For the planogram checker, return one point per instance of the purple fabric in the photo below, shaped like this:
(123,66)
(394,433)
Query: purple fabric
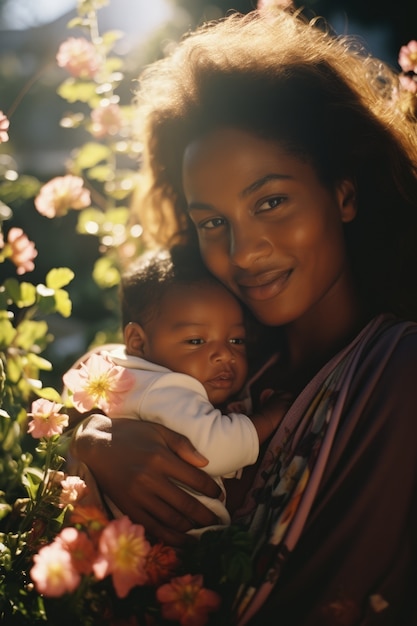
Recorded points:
(350,550)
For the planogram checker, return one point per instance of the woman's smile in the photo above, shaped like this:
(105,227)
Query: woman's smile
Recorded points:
(263,286)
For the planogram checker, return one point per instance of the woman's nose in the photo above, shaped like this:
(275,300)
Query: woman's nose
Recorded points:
(247,246)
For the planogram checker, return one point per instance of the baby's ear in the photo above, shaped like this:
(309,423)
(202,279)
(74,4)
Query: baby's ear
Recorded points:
(135,339)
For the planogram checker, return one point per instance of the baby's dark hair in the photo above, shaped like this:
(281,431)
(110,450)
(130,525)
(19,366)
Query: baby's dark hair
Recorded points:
(144,285)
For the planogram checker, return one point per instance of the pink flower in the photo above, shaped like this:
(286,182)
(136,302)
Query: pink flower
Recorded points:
(98,383)
(408,83)
(122,553)
(161,563)
(185,600)
(79,57)
(107,120)
(22,251)
(61,194)
(407,58)
(80,548)
(53,572)
(73,487)
(47,420)
(4,127)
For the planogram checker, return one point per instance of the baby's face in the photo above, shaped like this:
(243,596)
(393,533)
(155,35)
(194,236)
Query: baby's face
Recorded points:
(200,331)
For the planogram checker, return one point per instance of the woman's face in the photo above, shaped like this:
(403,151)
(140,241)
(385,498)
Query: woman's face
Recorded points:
(267,227)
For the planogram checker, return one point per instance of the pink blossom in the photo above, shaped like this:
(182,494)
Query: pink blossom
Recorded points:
(61,194)
(22,251)
(47,420)
(408,83)
(98,383)
(185,600)
(79,57)
(106,120)
(53,572)
(4,127)
(80,548)
(73,487)
(407,58)
(122,553)
(161,563)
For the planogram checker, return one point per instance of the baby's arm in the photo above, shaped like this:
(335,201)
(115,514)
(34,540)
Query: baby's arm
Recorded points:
(229,442)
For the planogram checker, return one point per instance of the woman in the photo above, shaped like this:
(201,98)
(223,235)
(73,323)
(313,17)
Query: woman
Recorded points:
(283,151)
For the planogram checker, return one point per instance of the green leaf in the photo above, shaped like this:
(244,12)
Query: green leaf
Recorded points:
(30,332)
(7,333)
(119,215)
(91,154)
(90,221)
(75,22)
(102,173)
(49,393)
(24,188)
(85,7)
(22,294)
(111,36)
(113,64)
(63,303)
(13,369)
(72,90)
(59,277)
(39,362)
(105,273)
(31,479)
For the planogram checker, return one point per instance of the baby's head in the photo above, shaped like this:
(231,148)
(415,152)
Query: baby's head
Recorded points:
(175,314)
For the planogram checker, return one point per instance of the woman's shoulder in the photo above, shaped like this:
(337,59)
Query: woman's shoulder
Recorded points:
(393,348)
(384,386)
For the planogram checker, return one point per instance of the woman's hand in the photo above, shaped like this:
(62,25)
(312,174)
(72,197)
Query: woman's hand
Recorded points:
(135,462)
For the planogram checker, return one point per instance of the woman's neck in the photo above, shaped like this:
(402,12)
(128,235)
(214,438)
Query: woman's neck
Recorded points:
(317,337)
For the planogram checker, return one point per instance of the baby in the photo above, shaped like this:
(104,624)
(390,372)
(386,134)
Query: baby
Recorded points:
(185,340)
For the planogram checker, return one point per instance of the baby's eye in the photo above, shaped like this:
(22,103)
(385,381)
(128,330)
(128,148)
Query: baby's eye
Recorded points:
(195,341)
(214,222)
(238,341)
(271,203)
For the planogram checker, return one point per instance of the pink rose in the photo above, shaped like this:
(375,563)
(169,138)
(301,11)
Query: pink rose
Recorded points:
(61,194)
(53,572)
(47,420)
(4,127)
(123,550)
(186,601)
(21,250)
(79,57)
(106,120)
(407,58)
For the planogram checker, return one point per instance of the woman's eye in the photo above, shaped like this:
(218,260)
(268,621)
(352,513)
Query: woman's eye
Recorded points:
(271,203)
(214,222)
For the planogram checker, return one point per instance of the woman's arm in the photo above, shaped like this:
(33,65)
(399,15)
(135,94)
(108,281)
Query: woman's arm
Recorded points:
(135,463)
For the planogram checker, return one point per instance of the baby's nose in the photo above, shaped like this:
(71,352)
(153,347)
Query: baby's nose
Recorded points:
(223,352)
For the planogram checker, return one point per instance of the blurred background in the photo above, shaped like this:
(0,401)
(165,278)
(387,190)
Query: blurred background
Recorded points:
(31,32)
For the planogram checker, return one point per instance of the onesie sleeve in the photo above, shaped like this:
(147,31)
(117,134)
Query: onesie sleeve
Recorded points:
(180,403)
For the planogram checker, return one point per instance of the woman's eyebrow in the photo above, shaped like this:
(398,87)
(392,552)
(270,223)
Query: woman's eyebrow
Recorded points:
(257,184)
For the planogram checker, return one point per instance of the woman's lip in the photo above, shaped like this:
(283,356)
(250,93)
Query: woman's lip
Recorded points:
(265,286)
